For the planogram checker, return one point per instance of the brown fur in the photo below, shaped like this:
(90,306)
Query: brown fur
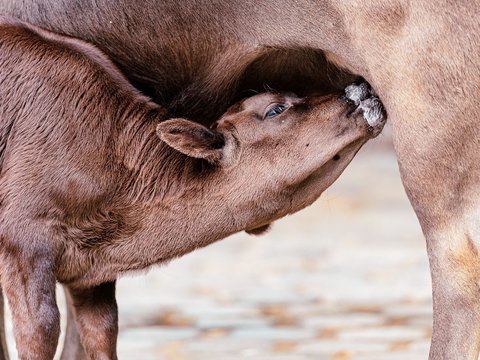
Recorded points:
(95,181)
(422,57)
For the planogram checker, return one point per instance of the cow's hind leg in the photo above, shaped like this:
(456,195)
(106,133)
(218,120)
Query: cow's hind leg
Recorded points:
(436,135)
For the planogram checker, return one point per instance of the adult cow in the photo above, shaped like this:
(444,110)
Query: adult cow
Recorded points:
(422,57)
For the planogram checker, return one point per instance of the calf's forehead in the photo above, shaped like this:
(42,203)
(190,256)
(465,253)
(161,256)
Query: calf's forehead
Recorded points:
(261,100)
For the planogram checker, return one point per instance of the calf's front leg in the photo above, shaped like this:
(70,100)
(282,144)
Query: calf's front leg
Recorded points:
(96,316)
(3,340)
(72,347)
(29,285)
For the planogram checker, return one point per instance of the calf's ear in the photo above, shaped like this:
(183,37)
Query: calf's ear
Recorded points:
(192,139)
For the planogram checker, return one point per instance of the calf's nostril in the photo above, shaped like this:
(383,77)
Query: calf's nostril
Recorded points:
(336,157)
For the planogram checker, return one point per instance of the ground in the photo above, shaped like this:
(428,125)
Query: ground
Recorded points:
(346,279)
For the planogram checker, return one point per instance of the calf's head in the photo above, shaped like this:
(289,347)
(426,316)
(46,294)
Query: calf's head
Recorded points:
(276,152)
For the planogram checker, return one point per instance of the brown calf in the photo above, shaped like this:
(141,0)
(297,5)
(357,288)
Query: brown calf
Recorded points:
(422,57)
(95,181)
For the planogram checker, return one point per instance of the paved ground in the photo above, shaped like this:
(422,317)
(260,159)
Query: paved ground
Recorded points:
(345,279)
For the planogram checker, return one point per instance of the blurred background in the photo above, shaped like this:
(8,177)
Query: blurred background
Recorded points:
(346,278)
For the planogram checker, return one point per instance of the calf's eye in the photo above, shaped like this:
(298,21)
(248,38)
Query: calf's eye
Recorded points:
(276,110)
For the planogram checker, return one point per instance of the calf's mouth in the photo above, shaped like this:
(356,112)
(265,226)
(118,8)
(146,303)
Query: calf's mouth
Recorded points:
(366,104)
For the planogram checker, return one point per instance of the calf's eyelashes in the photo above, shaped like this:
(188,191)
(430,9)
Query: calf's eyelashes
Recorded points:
(274,110)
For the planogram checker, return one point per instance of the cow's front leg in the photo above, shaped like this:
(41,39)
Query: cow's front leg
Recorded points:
(29,285)
(96,317)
